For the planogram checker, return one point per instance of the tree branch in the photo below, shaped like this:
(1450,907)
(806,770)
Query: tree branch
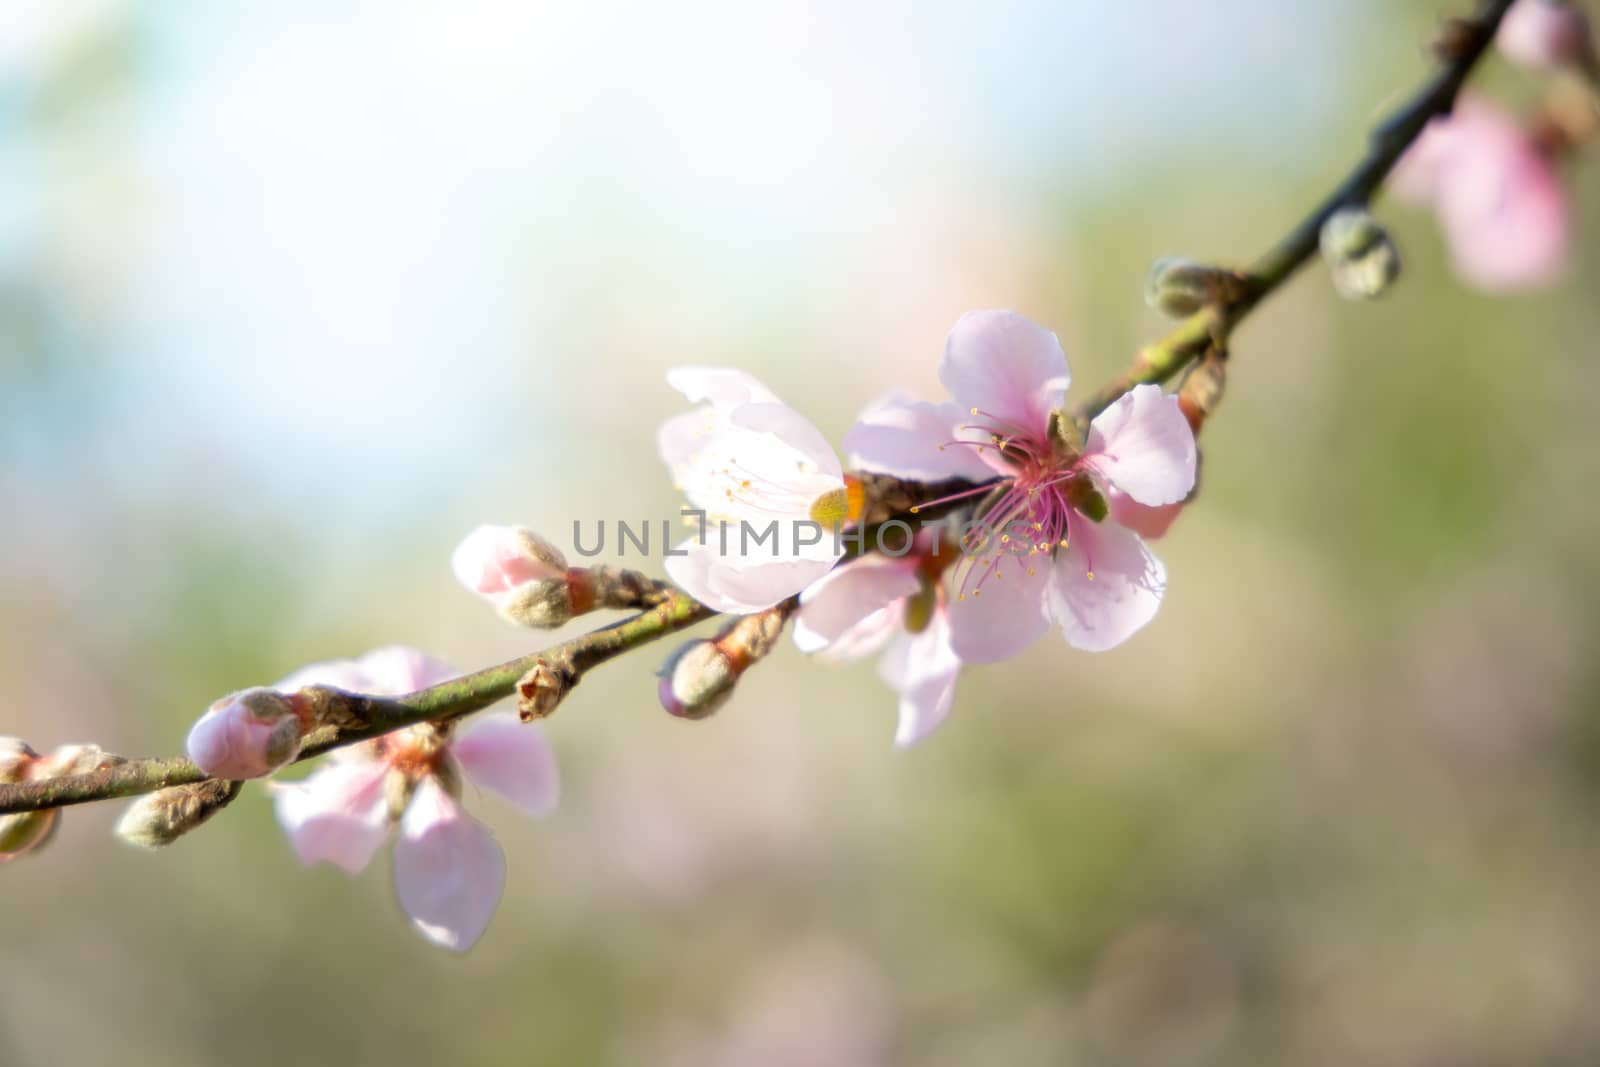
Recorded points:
(358,717)
(365,717)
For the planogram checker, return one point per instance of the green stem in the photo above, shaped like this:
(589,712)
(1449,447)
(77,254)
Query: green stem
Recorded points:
(1159,361)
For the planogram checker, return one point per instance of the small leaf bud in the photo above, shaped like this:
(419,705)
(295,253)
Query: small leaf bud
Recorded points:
(158,819)
(1179,287)
(1360,255)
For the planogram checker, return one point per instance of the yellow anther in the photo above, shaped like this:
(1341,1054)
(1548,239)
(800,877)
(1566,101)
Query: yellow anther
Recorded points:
(831,508)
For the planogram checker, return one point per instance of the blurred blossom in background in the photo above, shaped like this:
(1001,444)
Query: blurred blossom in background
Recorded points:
(294,295)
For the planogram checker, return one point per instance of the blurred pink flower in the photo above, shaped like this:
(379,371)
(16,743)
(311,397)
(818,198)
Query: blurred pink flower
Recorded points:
(899,602)
(449,871)
(1542,35)
(1504,211)
(750,462)
(1097,581)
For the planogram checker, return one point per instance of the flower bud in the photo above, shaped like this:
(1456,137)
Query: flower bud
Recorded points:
(1360,255)
(71,759)
(541,605)
(1545,34)
(700,676)
(249,734)
(25,831)
(1177,287)
(697,680)
(524,576)
(160,818)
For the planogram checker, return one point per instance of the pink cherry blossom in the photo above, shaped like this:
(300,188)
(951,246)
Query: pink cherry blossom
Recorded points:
(751,464)
(1040,557)
(899,603)
(1545,34)
(1505,213)
(449,871)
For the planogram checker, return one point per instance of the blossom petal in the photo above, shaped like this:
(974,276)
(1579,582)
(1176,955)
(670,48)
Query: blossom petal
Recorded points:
(833,607)
(1004,615)
(922,668)
(722,387)
(338,815)
(393,670)
(794,430)
(913,439)
(1149,523)
(1105,586)
(742,586)
(449,871)
(1008,367)
(1144,446)
(500,752)
(396,670)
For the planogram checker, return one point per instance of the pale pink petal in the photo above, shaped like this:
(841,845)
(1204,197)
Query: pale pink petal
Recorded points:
(749,584)
(396,670)
(922,668)
(501,752)
(1541,35)
(748,470)
(1105,586)
(794,430)
(913,439)
(680,437)
(449,871)
(338,815)
(1415,178)
(999,618)
(831,608)
(1011,369)
(722,387)
(1149,523)
(1144,446)
(343,674)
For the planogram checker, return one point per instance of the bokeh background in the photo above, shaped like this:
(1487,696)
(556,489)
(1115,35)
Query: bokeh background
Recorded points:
(294,294)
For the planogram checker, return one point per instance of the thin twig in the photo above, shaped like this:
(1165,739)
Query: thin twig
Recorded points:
(1159,361)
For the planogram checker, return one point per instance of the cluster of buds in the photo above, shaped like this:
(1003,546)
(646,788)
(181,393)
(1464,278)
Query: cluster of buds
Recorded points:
(26,831)
(700,676)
